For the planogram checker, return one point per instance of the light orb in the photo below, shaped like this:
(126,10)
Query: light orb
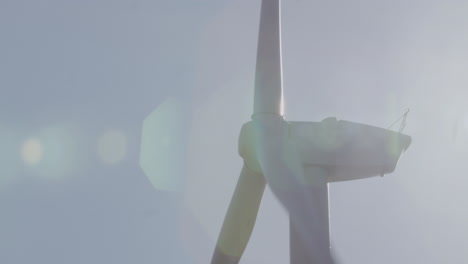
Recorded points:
(112,147)
(31,151)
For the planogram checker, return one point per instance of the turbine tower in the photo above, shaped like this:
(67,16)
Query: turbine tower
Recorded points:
(297,160)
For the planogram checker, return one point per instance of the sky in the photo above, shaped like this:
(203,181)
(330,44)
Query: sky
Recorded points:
(119,123)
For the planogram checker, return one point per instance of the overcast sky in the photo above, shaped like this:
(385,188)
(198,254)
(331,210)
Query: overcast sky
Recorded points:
(78,79)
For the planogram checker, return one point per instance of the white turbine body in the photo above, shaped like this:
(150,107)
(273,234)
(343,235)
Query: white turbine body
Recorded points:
(297,160)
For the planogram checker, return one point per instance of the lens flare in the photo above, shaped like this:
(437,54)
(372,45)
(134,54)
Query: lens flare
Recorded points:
(112,147)
(213,161)
(31,151)
(162,153)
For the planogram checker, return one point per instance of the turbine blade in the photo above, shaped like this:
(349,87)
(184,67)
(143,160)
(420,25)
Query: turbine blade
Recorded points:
(240,218)
(268,96)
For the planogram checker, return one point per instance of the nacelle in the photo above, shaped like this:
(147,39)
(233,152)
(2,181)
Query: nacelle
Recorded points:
(346,149)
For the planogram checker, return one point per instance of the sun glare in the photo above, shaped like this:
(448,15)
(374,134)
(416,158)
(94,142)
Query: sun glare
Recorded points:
(31,151)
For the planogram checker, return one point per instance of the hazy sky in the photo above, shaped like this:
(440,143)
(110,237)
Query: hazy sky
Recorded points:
(78,79)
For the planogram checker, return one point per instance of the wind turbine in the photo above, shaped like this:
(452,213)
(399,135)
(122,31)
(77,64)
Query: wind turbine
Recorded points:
(297,160)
